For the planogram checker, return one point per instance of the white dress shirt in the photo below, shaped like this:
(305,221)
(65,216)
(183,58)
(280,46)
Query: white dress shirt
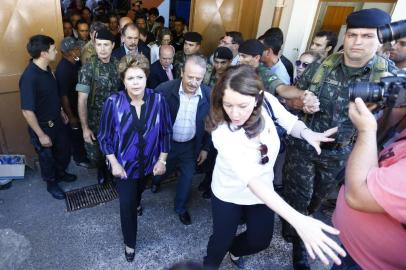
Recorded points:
(184,128)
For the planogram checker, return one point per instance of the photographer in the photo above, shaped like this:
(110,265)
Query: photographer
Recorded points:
(371,206)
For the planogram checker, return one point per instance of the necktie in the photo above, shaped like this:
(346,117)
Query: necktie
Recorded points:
(169,73)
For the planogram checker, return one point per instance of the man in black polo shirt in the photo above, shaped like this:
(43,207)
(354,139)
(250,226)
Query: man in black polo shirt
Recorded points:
(41,107)
(67,77)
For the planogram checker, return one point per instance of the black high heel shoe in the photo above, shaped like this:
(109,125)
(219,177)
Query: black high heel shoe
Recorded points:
(129,256)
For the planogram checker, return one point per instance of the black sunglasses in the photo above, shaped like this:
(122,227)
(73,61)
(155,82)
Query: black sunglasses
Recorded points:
(299,63)
(263,149)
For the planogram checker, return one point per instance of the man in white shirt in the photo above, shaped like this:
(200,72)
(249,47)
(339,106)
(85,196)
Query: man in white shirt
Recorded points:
(189,103)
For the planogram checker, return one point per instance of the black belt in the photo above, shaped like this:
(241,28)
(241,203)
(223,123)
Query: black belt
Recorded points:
(334,146)
(186,141)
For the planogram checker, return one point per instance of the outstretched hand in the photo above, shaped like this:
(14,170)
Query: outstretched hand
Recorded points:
(315,138)
(317,243)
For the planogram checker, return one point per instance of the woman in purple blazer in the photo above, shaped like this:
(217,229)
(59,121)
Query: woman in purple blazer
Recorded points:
(134,134)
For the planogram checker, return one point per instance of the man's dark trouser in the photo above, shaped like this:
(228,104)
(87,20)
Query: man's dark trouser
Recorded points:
(55,159)
(182,156)
(309,178)
(77,144)
(208,168)
(130,192)
(226,217)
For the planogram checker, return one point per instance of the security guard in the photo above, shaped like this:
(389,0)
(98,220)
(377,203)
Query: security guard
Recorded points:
(191,46)
(309,177)
(98,79)
(221,61)
(41,108)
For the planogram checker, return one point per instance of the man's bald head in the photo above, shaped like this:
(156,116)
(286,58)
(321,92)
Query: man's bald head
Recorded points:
(166,54)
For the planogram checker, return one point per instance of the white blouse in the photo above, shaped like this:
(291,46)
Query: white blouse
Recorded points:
(238,159)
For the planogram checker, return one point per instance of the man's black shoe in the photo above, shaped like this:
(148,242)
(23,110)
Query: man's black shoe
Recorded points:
(6,186)
(55,190)
(299,256)
(185,218)
(207,194)
(67,177)
(155,188)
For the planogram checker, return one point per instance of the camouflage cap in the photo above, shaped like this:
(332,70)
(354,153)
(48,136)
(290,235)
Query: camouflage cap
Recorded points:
(68,43)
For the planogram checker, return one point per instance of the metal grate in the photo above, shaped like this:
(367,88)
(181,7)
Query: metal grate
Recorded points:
(90,196)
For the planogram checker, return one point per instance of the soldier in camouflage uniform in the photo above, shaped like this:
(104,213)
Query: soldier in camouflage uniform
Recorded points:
(310,177)
(221,61)
(98,79)
(88,49)
(191,46)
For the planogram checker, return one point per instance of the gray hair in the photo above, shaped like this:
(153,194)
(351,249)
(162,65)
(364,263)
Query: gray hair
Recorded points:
(197,59)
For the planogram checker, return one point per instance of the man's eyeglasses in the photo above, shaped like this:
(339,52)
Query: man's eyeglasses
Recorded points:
(263,149)
(299,63)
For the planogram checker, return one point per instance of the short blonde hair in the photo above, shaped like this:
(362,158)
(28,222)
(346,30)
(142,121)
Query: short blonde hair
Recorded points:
(137,60)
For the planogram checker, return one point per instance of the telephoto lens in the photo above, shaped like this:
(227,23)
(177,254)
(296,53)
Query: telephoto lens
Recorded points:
(367,91)
(392,31)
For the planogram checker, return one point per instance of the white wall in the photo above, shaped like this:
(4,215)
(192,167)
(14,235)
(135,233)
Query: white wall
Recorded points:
(299,28)
(266,16)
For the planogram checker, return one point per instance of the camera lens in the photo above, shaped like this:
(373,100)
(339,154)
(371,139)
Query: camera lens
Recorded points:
(392,31)
(367,91)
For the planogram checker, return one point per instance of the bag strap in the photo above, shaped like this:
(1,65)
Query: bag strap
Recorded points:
(269,110)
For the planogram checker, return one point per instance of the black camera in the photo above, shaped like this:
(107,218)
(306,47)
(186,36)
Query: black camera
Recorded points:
(391,90)
(392,31)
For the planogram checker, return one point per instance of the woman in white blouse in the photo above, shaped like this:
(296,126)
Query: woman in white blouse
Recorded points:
(247,142)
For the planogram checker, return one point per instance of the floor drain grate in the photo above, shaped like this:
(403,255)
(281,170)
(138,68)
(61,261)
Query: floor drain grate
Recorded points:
(90,196)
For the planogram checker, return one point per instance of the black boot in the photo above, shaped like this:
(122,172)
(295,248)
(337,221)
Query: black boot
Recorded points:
(299,255)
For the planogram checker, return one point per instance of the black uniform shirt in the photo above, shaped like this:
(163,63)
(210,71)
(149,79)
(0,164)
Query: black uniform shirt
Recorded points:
(39,93)
(67,77)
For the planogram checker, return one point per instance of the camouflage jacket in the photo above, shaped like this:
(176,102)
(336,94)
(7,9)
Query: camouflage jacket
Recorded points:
(87,52)
(210,76)
(331,87)
(99,80)
(267,78)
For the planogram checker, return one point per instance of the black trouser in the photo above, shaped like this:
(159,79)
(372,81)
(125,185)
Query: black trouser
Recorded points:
(130,192)
(226,217)
(77,144)
(55,159)
(208,167)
